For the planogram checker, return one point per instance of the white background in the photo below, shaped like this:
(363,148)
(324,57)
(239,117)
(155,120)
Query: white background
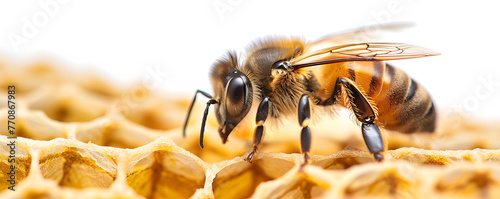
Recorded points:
(123,40)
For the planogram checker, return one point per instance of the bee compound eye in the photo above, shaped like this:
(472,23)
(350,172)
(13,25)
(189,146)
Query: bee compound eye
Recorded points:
(235,96)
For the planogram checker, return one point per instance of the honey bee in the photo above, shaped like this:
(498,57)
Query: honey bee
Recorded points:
(288,77)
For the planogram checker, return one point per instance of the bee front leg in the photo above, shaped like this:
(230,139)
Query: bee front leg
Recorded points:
(304,114)
(261,117)
(365,114)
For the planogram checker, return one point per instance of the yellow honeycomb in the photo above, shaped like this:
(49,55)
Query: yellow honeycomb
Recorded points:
(81,136)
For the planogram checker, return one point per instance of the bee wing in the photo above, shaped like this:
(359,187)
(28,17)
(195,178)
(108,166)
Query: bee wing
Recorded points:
(361,52)
(361,34)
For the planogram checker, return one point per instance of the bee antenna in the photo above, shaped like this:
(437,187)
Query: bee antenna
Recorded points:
(191,108)
(204,120)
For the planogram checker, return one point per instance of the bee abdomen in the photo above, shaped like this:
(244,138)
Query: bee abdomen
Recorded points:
(403,104)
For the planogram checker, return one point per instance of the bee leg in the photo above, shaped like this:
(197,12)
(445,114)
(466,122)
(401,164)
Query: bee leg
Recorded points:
(261,117)
(204,120)
(304,114)
(191,108)
(365,114)
(373,140)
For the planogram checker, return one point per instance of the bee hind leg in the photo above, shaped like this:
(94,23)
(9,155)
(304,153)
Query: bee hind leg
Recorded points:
(304,114)
(365,114)
(261,117)
(373,140)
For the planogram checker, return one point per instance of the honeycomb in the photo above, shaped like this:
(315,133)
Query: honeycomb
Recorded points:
(81,136)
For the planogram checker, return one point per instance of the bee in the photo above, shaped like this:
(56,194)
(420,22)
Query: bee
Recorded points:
(288,77)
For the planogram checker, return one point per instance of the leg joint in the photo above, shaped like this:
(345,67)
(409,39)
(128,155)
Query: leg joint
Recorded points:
(304,111)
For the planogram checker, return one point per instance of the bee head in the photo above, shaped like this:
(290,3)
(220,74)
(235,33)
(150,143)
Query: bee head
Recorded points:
(234,93)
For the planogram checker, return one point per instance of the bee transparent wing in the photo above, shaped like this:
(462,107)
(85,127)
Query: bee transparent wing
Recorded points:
(361,34)
(361,52)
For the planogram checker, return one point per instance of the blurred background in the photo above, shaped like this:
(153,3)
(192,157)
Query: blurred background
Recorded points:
(175,42)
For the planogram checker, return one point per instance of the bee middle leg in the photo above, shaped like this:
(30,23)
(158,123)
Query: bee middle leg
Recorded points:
(261,117)
(365,114)
(304,114)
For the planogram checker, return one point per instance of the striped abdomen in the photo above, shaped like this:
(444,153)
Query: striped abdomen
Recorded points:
(403,105)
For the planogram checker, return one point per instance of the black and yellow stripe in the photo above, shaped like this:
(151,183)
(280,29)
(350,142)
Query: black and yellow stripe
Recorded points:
(410,109)
(403,105)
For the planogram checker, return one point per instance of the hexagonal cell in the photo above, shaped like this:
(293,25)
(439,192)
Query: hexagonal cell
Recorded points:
(68,103)
(240,179)
(98,132)
(471,181)
(214,150)
(304,189)
(94,83)
(164,174)
(430,159)
(116,131)
(13,155)
(375,180)
(302,181)
(139,106)
(29,78)
(37,126)
(343,159)
(341,163)
(78,167)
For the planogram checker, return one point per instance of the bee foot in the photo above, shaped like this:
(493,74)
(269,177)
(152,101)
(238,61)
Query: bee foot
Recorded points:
(249,157)
(378,157)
